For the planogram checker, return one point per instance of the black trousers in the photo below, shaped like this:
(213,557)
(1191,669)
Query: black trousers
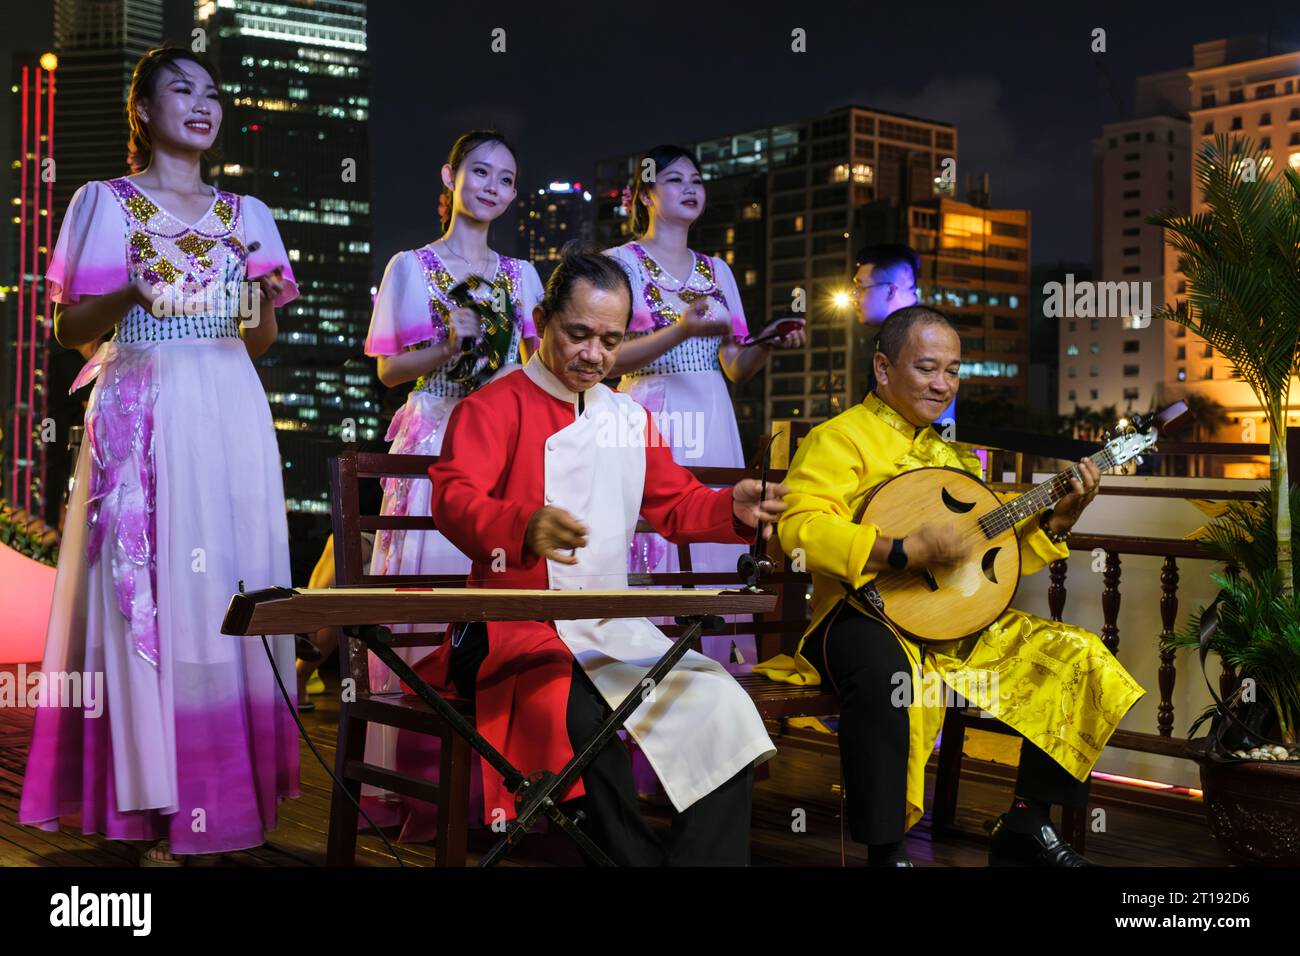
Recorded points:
(713,831)
(859,657)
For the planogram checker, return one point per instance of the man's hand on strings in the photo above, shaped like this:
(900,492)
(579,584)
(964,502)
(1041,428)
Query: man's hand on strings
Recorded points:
(553,531)
(746,506)
(1066,511)
(935,546)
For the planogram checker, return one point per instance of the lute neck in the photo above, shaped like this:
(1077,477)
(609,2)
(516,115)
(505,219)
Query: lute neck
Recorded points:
(1038,498)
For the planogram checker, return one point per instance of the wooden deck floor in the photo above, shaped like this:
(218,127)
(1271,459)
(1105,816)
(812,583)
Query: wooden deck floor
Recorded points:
(805,776)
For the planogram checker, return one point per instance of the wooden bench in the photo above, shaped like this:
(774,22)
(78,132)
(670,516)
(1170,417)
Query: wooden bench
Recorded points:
(775,702)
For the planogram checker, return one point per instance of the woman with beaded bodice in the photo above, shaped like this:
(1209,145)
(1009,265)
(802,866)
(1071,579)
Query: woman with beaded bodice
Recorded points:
(685,341)
(177,497)
(418,332)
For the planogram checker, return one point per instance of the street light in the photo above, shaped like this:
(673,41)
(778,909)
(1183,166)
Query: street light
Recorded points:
(841,301)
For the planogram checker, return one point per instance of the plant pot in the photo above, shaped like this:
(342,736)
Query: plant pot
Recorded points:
(1253,807)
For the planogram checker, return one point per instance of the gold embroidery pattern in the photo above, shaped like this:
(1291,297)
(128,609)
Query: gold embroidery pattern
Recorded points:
(223,211)
(140,206)
(165,271)
(196,248)
(142,246)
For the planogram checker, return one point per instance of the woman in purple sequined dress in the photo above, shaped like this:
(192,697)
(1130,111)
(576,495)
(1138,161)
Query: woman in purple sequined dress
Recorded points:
(416,334)
(177,498)
(683,345)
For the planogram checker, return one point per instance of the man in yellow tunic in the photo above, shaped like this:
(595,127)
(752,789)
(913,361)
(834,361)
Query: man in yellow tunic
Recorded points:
(1055,684)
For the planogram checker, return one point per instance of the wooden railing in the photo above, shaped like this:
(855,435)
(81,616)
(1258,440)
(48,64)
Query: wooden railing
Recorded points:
(779,632)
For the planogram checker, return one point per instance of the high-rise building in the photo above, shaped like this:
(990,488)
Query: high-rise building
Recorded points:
(1244,86)
(550,217)
(1113,353)
(1045,337)
(783,211)
(295,134)
(83,81)
(974,266)
(1144,165)
(98,43)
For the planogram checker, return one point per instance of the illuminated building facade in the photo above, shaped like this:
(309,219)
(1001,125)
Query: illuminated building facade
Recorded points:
(550,217)
(295,135)
(784,211)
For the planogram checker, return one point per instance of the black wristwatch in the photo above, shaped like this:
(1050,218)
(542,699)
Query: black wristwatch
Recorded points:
(897,556)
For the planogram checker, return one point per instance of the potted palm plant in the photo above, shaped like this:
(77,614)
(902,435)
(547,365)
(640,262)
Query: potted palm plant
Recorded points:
(1241,258)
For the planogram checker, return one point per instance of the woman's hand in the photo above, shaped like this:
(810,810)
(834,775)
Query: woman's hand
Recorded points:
(142,293)
(697,321)
(792,339)
(463,323)
(270,285)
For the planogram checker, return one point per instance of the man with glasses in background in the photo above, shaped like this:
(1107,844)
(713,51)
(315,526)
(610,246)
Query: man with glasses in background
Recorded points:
(885,282)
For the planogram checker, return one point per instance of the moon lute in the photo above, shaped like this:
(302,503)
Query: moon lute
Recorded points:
(947,604)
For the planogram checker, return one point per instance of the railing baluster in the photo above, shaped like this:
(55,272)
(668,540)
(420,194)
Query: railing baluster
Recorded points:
(1056,590)
(1110,602)
(1167,674)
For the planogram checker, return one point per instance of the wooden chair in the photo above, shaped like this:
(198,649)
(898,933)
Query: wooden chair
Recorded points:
(393,709)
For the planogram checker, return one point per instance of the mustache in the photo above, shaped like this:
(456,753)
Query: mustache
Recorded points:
(583,367)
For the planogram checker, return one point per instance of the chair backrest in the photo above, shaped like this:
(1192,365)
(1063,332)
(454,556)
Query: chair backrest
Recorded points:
(775,633)
(347,471)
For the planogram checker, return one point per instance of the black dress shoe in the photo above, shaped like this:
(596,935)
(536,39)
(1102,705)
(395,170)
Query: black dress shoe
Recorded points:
(898,858)
(1042,846)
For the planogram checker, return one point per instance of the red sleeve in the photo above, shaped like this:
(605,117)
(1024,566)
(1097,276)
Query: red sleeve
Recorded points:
(468,504)
(679,507)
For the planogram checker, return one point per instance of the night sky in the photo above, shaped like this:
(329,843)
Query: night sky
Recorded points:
(583,81)
(592,80)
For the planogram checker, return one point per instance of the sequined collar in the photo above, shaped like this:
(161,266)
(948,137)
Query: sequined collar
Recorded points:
(700,267)
(151,217)
(891,418)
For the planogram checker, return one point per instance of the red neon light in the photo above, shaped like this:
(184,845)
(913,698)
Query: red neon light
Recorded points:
(47,326)
(36,262)
(1148,784)
(22,272)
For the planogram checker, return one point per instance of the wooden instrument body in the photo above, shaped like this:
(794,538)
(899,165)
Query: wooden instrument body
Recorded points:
(303,610)
(949,603)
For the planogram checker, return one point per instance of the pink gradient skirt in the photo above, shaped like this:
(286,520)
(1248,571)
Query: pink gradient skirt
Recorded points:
(194,743)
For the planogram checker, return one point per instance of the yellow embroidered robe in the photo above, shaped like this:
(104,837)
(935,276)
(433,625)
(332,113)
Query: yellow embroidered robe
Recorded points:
(1056,684)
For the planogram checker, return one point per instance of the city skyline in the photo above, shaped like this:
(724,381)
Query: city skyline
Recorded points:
(1027,111)
(1033,138)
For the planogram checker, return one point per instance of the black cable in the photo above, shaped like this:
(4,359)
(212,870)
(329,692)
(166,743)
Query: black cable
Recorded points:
(338,784)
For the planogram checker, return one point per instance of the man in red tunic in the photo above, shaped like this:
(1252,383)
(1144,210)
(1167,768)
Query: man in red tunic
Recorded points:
(542,476)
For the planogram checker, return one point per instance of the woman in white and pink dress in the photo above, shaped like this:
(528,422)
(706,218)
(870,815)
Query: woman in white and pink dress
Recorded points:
(683,345)
(416,332)
(177,498)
